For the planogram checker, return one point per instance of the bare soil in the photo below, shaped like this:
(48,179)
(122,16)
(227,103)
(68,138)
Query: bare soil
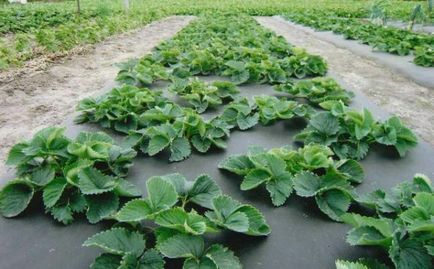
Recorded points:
(388,89)
(35,98)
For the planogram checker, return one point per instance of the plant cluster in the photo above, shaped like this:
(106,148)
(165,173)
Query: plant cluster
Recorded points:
(350,133)
(202,95)
(83,175)
(174,205)
(310,171)
(316,90)
(121,108)
(235,47)
(387,39)
(178,133)
(424,56)
(402,224)
(244,114)
(44,28)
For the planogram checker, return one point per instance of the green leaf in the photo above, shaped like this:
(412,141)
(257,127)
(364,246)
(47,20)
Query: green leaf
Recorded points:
(246,121)
(257,224)
(280,189)
(129,261)
(43,175)
(182,246)
(92,181)
(101,206)
(161,194)
(367,236)
(232,215)
(325,123)
(350,265)
(134,210)
(422,183)
(157,144)
(106,261)
(180,149)
(119,241)
(179,182)
(203,263)
(238,164)
(53,191)
(254,178)
(125,188)
(16,155)
(177,219)
(409,254)
(223,257)
(383,225)
(306,184)
(203,191)
(333,203)
(151,259)
(237,221)
(425,201)
(62,213)
(77,202)
(15,197)
(353,169)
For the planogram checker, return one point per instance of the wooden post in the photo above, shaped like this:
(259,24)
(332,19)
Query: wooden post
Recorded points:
(127,4)
(78,7)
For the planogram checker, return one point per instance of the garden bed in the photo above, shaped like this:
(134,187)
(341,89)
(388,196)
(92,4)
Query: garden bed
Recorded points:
(311,191)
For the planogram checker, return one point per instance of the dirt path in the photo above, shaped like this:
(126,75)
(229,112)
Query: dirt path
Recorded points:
(396,94)
(44,98)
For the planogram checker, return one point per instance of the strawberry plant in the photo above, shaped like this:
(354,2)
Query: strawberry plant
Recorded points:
(272,109)
(316,90)
(350,133)
(310,171)
(240,113)
(119,109)
(301,64)
(179,135)
(173,203)
(403,225)
(424,56)
(84,175)
(141,72)
(201,94)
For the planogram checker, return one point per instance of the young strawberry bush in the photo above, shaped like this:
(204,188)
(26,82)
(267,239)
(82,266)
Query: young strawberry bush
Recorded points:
(174,204)
(350,133)
(83,175)
(240,113)
(316,90)
(271,109)
(424,56)
(201,94)
(141,72)
(178,135)
(120,109)
(310,171)
(402,224)
(244,114)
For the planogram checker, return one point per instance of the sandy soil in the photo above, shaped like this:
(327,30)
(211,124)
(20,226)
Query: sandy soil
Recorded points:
(395,93)
(42,98)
